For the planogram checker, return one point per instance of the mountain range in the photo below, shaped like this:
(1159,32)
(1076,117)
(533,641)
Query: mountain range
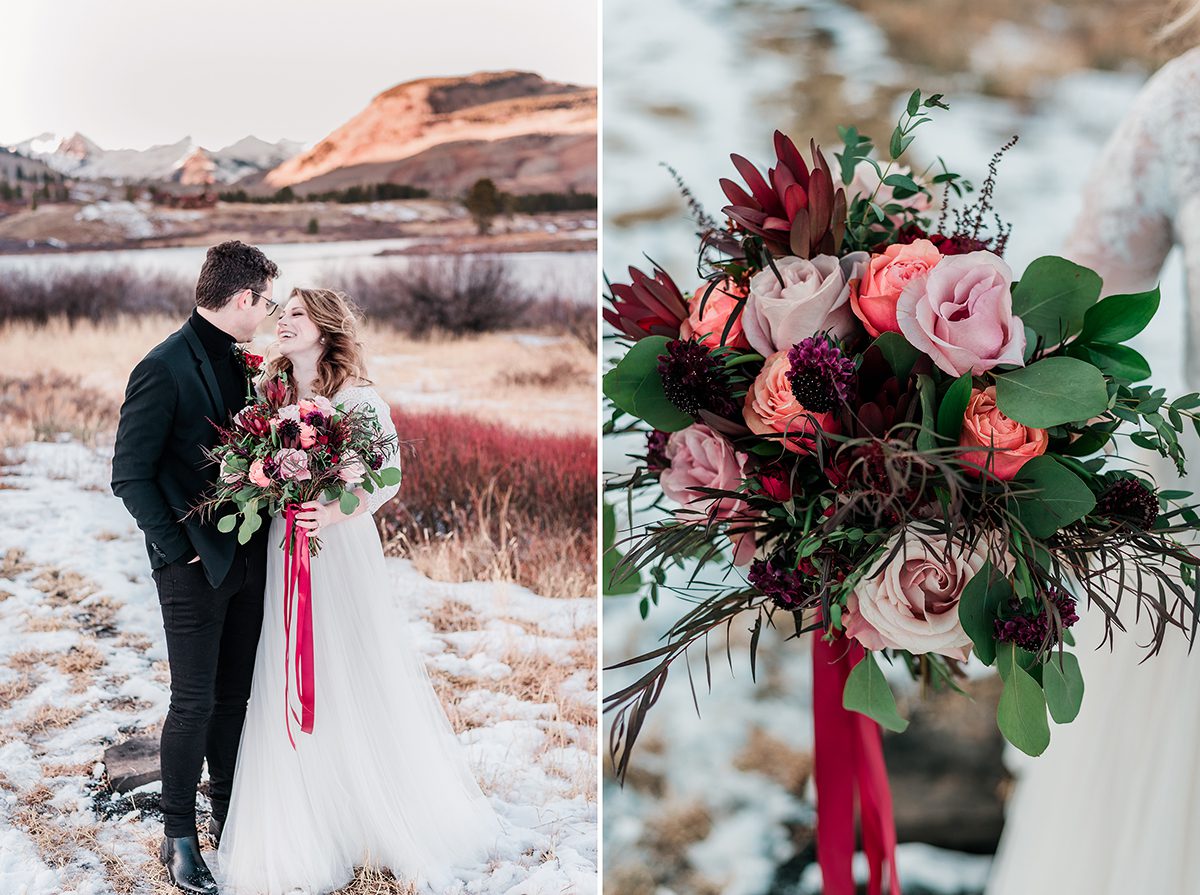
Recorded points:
(526,133)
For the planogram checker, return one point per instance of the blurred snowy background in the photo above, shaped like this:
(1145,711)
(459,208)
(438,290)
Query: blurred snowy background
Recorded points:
(722,804)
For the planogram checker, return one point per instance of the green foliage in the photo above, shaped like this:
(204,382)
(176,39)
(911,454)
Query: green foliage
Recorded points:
(900,355)
(1063,685)
(1051,392)
(953,406)
(313,226)
(868,693)
(1119,318)
(635,386)
(1021,714)
(979,607)
(1053,296)
(630,580)
(484,202)
(348,502)
(1060,497)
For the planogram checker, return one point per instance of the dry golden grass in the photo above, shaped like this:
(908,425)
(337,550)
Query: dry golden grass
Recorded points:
(85,659)
(790,767)
(27,660)
(46,718)
(63,586)
(373,881)
(43,623)
(16,689)
(13,563)
(43,404)
(459,374)
(79,769)
(56,842)
(136,642)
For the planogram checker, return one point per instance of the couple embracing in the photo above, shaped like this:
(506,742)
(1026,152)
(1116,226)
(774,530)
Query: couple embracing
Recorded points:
(381,779)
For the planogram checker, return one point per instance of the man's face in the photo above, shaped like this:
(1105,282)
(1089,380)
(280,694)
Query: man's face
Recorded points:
(256,309)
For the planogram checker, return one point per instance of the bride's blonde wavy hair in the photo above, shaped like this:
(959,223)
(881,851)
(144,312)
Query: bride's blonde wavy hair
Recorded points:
(341,361)
(1183,23)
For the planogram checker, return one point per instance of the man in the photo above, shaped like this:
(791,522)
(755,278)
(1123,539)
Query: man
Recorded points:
(210,587)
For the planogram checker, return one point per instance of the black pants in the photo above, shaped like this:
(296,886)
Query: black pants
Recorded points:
(212,637)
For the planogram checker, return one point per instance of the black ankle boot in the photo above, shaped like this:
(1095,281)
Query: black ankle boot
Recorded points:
(216,825)
(186,867)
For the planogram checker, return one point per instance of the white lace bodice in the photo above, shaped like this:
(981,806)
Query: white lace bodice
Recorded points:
(1142,197)
(354,396)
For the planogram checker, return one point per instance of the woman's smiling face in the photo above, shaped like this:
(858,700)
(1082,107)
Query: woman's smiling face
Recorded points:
(295,331)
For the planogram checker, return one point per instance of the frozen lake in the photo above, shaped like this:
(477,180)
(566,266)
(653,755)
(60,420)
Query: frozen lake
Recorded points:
(556,274)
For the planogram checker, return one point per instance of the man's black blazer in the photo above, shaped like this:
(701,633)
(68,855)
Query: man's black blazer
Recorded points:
(160,469)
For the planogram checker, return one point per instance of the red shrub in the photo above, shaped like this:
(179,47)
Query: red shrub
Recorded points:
(450,459)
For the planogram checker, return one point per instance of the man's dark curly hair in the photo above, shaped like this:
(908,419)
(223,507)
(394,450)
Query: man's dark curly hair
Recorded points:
(228,269)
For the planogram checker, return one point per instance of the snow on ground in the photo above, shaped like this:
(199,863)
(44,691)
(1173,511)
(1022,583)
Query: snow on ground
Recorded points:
(83,666)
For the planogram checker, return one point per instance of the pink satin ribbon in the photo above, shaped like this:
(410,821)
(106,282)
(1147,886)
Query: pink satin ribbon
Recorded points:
(297,596)
(848,758)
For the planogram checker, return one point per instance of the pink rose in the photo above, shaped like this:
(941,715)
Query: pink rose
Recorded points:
(351,471)
(722,302)
(288,412)
(813,297)
(320,404)
(873,298)
(986,427)
(961,315)
(258,476)
(772,408)
(229,475)
(700,458)
(293,464)
(910,602)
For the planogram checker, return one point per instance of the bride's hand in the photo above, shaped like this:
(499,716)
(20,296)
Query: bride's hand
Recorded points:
(316,516)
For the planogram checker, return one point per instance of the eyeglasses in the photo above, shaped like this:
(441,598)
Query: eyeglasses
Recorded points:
(272,306)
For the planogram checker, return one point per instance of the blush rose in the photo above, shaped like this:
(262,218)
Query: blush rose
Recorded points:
(873,297)
(771,408)
(722,303)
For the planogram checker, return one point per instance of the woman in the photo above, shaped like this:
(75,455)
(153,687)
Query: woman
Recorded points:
(1114,805)
(381,780)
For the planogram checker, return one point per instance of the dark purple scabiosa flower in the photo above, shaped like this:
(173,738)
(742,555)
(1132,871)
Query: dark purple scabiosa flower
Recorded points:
(289,433)
(785,586)
(694,380)
(656,451)
(1128,500)
(1029,629)
(822,377)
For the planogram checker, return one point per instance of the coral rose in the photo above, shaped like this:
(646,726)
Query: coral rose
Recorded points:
(961,315)
(772,408)
(873,297)
(910,602)
(722,302)
(258,475)
(813,297)
(984,426)
(700,458)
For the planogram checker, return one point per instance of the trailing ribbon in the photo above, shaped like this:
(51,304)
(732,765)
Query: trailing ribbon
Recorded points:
(297,598)
(848,757)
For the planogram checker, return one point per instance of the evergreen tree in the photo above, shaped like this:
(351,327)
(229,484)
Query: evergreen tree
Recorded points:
(484,202)
(313,226)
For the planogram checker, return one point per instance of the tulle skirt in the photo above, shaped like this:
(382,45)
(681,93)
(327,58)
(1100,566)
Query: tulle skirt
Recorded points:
(381,780)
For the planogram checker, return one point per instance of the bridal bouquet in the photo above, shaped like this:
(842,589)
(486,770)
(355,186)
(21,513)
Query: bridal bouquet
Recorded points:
(902,444)
(274,456)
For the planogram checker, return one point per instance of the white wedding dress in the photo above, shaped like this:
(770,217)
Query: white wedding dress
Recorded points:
(1113,806)
(381,780)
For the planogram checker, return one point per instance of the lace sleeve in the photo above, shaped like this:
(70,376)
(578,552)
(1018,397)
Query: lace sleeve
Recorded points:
(365,395)
(1126,226)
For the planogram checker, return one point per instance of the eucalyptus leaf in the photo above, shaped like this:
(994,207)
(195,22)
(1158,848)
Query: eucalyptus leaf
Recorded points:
(1053,296)
(1021,714)
(1060,497)
(1052,391)
(978,607)
(389,475)
(1063,686)
(1119,361)
(868,693)
(900,355)
(226,524)
(635,386)
(348,502)
(953,406)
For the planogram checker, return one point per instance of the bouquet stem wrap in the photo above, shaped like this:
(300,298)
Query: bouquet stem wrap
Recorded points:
(848,758)
(297,604)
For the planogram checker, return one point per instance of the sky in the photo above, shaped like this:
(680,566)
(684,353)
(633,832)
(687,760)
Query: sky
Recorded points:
(136,73)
